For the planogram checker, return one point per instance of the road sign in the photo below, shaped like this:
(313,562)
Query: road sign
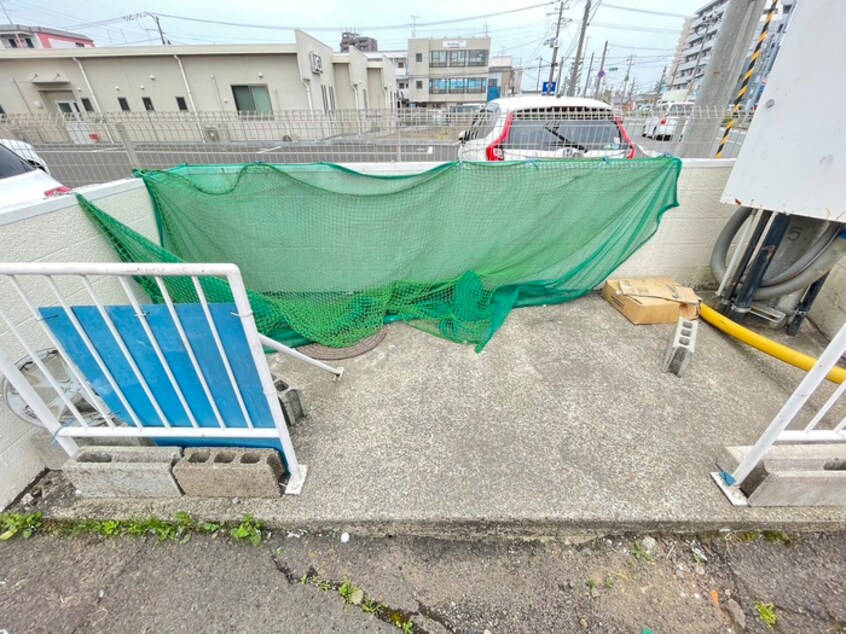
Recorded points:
(547,89)
(601,73)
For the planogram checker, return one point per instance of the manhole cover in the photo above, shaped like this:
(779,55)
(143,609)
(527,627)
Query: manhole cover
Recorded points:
(325,353)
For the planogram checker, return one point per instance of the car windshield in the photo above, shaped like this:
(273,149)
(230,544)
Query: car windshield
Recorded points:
(11,164)
(551,134)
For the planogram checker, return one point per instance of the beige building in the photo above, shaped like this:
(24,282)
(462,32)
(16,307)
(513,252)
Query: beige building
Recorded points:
(248,79)
(447,72)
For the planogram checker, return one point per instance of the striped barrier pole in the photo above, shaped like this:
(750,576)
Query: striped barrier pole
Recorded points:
(750,70)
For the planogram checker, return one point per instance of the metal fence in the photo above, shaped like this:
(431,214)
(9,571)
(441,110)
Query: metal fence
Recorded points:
(99,147)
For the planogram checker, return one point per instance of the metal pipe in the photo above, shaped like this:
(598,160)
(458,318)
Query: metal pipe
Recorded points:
(307,85)
(20,92)
(267,342)
(190,96)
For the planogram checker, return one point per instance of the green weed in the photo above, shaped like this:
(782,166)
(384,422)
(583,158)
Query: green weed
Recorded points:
(250,529)
(12,524)
(640,554)
(767,614)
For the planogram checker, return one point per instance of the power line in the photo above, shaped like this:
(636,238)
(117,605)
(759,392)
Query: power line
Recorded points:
(647,11)
(383,27)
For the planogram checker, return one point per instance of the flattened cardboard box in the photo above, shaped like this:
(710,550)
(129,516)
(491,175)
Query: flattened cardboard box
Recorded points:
(651,300)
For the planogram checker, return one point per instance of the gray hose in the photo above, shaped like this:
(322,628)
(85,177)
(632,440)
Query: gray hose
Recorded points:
(813,264)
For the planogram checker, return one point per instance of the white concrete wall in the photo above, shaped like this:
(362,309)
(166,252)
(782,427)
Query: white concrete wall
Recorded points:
(56,230)
(681,248)
(829,310)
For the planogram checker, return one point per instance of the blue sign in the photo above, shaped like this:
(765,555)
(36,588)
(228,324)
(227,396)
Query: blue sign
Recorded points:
(600,74)
(549,89)
(493,92)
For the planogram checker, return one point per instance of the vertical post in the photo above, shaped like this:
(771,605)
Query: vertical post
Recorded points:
(587,81)
(128,146)
(574,74)
(555,44)
(537,86)
(737,27)
(602,69)
(750,70)
(749,286)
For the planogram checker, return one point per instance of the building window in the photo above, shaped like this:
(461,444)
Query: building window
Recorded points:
(86,103)
(476,84)
(478,57)
(458,58)
(458,85)
(438,58)
(124,104)
(13,42)
(418,57)
(2,113)
(29,43)
(252,99)
(419,84)
(332,98)
(325,95)
(148,104)
(492,82)
(80,45)
(180,103)
(400,64)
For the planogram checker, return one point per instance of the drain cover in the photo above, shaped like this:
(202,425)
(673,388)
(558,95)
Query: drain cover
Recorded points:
(325,353)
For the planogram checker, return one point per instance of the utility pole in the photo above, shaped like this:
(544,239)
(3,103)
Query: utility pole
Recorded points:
(601,68)
(159,27)
(626,80)
(540,63)
(555,44)
(414,25)
(574,75)
(587,81)
(737,27)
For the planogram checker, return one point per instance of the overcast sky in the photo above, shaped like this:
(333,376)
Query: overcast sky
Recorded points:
(650,38)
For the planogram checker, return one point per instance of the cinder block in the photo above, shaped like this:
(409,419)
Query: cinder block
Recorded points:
(229,472)
(138,472)
(792,475)
(55,458)
(682,346)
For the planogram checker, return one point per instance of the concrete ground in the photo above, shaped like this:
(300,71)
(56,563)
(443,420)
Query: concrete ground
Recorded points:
(565,423)
(289,584)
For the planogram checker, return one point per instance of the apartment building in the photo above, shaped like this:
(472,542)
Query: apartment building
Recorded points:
(22,36)
(248,79)
(447,72)
(503,79)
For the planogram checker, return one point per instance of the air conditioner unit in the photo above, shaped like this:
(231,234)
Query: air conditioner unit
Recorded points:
(211,134)
(316,64)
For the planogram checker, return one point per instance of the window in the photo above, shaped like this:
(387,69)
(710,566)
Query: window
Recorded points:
(86,103)
(419,84)
(483,123)
(551,130)
(400,64)
(2,113)
(11,164)
(325,95)
(476,84)
(148,104)
(438,86)
(477,57)
(29,43)
(457,85)
(438,58)
(331,98)
(13,42)
(180,103)
(80,45)
(458,58)
(493,82)
(124,104)
(418,57)
(252,99)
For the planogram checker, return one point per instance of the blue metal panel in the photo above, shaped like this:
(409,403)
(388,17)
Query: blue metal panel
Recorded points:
(205,350)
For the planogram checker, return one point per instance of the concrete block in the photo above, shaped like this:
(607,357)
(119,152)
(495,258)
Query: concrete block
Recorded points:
(682,346)
(138,472)
(291,401)
(792,475)
(55,458)
(229,472)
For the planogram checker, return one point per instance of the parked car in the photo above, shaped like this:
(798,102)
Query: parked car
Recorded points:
(21,181)
(667,120)
(521,128)
(26,152)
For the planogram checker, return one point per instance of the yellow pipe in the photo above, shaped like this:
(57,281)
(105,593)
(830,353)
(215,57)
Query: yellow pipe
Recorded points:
(783,353)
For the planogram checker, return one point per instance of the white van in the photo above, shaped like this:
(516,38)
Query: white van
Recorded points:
(527,128)
(668,119)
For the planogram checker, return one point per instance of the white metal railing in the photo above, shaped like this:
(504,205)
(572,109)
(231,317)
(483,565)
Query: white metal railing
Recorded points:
(70,408)
(817,430)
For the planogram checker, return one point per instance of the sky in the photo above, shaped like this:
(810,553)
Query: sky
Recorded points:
(651,39)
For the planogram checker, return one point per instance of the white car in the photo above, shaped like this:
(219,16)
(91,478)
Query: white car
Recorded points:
(26,152)
(667,120)
(528,128)
(22,182)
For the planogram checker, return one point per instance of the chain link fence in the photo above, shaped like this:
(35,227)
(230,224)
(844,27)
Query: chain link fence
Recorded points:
(99,147)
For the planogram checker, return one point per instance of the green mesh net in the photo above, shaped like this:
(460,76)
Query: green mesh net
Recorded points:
(331,254)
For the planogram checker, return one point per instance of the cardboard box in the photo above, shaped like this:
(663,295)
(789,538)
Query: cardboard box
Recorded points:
(652,300)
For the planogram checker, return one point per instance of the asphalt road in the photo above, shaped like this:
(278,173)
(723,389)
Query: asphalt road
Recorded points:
(290,584)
